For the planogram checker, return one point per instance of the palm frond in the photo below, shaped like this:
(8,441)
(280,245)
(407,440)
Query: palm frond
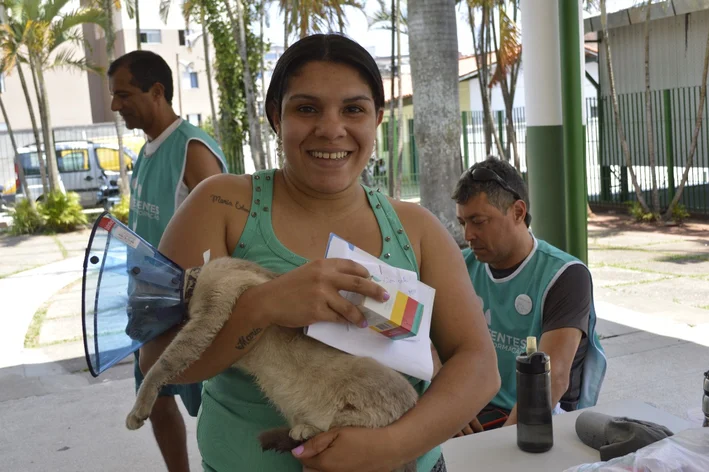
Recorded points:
(65,59)
(189,9)
(165,10)
(510,47)
(130,7)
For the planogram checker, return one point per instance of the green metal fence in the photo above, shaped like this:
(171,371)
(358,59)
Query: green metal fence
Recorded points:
(607,176)
(674,115)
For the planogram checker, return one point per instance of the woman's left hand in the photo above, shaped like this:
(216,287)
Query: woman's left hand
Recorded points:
(350,449)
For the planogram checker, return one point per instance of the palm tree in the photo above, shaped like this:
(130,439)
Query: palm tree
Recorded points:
(508,56)
(616,109)
(11,40)
(434,70)
(695,135)
(18,161)
(239,31)
(313,16)
(47,33)
(481,46)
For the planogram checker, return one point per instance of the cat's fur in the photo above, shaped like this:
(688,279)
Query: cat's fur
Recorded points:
(315,386)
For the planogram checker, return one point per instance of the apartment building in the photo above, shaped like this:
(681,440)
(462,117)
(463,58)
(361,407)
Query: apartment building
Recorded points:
(79,98)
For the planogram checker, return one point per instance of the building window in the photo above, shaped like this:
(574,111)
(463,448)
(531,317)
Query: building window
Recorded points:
(181,36)
(195,118)
(150,36)
(190,80)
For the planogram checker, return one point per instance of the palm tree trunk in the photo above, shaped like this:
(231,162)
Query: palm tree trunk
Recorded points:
(264,123)
(18,162)
(648,115)
(400,134)
(507,97)
(616,109)
(46,119)
(138,44)
(695,135)
(481,57)
(434,69)
(239,31)
(392,160)
(208,69)
(35,130)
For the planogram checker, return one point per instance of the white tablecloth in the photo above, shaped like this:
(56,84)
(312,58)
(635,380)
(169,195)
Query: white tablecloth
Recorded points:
(497,451)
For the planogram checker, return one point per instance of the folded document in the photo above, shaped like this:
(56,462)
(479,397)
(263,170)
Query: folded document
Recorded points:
(411,356)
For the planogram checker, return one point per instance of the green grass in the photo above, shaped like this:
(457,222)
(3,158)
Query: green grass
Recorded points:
(32,335)
(65,253)
(61,341)
(684,258)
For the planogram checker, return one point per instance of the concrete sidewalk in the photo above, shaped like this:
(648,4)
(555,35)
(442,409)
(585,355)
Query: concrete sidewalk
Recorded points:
(651,293)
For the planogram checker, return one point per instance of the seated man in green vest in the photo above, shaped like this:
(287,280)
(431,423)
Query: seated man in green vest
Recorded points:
(175,159)
(527,288)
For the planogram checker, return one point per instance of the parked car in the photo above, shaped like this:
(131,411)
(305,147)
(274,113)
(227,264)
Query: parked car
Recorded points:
(87,168)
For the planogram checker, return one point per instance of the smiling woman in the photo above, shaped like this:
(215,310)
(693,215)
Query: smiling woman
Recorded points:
(325,102)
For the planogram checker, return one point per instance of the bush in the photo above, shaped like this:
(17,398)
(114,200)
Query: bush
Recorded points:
(679,213)
(120,211)
(62,212)
(636,211)
(25,219)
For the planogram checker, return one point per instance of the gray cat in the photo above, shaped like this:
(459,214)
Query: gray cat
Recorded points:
(315,387)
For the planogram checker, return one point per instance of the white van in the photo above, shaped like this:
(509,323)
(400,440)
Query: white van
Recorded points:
(85,167)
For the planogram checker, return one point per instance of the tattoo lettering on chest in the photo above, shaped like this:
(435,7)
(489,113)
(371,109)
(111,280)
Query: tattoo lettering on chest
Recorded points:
(246,340)
(223,201)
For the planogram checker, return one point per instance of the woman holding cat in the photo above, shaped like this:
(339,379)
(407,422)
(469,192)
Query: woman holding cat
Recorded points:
(325,102)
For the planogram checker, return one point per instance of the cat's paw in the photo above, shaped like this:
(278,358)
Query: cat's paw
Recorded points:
(133,421)
(137,416)
(303,432)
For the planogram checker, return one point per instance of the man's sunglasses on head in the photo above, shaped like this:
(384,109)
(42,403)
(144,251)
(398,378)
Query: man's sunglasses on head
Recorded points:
(483,174)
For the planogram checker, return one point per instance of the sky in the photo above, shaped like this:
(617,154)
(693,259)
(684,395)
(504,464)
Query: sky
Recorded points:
(379,41)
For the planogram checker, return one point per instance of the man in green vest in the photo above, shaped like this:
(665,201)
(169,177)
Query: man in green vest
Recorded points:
(176,157)
(527,287)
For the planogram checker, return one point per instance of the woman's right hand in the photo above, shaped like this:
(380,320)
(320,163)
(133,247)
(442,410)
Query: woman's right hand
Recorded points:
(310,294)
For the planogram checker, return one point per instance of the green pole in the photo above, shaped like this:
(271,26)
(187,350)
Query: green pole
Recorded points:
(466,151)
(669,147)
(545,147)
(572,113)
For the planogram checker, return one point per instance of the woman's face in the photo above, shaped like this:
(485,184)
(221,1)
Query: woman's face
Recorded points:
(328,124)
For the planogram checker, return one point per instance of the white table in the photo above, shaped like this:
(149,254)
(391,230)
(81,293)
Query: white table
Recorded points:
(497,451)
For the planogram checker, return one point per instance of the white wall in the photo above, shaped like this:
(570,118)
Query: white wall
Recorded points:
(497,102)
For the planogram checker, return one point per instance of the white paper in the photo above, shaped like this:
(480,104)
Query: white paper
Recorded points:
(411,356)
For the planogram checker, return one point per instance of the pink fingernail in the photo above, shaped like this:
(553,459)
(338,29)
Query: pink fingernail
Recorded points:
(363,324)
(298,450)
(386,296)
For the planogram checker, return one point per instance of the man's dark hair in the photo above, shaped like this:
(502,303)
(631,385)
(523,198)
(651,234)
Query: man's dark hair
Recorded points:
(331,47)
(147,69)
(498,196)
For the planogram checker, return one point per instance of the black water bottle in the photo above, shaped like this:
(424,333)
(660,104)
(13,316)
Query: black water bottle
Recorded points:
(705,400)
(534,428)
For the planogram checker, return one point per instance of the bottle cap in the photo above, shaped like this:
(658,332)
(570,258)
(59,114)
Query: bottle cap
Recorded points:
(535,363)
